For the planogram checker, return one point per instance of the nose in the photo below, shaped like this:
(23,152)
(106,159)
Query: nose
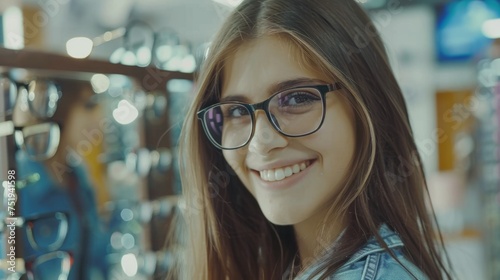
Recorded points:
(265,137)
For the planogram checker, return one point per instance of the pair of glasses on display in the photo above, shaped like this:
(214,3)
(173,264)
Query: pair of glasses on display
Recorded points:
(45,233)
(38,97)
(293,112)
(142,161)
(150,264)
(142,46)
(26,181)
(156,106)
(142,212)
(39,141)
(153,104)
(51,266)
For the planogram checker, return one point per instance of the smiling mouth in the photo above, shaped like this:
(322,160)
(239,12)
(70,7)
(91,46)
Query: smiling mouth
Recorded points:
(278,174)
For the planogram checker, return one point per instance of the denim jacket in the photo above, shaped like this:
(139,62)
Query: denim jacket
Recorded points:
(372,262)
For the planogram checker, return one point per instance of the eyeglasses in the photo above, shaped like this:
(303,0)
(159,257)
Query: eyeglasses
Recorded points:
(39,96)
(51,266)
(142,212)
(156,106)
(142,160)
(45,232)
(142,46)
(39,141)
(28,180)
(152,263)
(294,112)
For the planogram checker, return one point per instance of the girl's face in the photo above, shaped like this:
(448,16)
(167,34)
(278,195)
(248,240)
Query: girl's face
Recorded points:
(83,120)
(322,159)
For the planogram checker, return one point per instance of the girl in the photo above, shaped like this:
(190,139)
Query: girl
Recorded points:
(299,160)
(73,240)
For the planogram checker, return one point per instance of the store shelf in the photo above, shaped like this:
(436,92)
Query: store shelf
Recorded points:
(58,65)
(488,159)
(131,188)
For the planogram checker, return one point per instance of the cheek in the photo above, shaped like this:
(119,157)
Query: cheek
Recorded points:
(80,123)
(339,151)
(89,119)
(95,116)
(236,160)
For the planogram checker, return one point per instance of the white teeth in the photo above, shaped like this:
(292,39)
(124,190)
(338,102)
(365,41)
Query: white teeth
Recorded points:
(271,176)
(302,166)
(263,175)
(279,174)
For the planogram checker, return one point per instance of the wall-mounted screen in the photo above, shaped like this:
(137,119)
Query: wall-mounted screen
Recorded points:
(459,35)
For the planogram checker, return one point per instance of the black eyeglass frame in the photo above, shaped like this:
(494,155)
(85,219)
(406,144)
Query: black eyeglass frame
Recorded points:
(8,128)
(23,222)
(26,86)
(264,105)
(66,263)
(27,271)
(19,136)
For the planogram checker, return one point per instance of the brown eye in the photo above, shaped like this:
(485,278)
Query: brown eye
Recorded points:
(90,104)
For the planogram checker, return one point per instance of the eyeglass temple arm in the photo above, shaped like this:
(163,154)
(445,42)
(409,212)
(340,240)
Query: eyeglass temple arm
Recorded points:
(11,221)
(6,128)
(334,86)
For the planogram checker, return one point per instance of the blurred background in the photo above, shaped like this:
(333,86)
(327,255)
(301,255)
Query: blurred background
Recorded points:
(93,94)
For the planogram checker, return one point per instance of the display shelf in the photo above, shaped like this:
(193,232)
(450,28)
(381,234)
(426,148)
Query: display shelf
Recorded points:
(55,64)
(488,158)
(24,65)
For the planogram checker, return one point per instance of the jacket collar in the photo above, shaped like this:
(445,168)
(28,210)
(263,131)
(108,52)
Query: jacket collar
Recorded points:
(372,246)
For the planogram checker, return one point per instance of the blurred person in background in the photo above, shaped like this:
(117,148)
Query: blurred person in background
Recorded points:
(62,200)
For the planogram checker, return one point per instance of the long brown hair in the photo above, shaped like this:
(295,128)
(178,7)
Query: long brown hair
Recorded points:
(224,233)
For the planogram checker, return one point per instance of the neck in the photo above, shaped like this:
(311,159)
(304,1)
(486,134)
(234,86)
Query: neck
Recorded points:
(315,235)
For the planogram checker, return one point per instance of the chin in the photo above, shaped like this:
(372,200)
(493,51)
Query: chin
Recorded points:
(283,217)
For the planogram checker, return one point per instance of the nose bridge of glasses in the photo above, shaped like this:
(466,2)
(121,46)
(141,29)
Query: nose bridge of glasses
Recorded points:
(266,128)
(261,113)
(264,108)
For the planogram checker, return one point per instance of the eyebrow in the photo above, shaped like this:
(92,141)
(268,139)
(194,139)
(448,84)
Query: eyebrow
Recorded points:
(277,87)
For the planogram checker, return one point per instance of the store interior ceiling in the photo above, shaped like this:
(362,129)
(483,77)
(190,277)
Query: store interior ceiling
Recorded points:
(195,21)
(187,14)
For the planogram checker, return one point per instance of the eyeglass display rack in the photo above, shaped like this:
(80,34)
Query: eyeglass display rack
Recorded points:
(157,192)
(488,158)
(150,78)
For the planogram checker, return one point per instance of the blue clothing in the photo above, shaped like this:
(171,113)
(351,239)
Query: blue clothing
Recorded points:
(85,235)
(43,197)
(372,262)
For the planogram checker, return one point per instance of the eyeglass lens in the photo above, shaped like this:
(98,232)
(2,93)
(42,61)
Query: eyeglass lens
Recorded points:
(295,112)
(40,141)
(51,266)
(40,97)
(47,232)
(8,92)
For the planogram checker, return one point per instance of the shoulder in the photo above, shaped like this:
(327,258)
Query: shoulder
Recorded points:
(372,262)
(378,266)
